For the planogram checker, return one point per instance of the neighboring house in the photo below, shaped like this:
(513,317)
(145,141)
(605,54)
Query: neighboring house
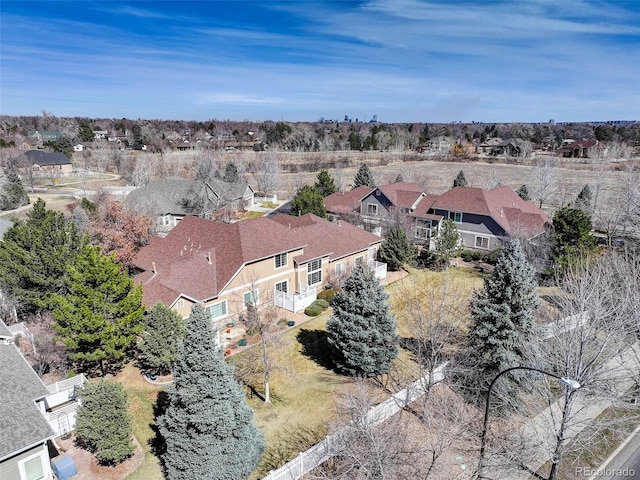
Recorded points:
(165,199)
(489,144)
(484,218)
(440,144)
(45,162)
(577,149)
(389,203)
(231,267)
(512,147)
(100,134)
(42,136)
(346,205)
(24,454)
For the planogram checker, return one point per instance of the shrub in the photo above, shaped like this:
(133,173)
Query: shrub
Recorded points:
(492,257)
(467,255)
(323,303)
(429,260)
(328,295)
(313,310)
(477,255)
(253,330)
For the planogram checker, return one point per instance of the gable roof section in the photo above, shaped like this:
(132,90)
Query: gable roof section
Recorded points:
(512,213)
(5,333)
(402,194)
(199,257)
(346,202)
(23,425)
(335,239)
(41,158)
(161,196)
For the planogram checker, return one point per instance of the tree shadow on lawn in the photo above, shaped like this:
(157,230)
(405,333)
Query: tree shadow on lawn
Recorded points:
(316,347)
(157,443)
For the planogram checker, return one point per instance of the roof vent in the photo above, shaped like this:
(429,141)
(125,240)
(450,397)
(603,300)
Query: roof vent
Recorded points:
(153,265)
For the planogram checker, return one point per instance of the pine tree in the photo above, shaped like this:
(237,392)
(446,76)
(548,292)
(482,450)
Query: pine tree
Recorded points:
(325,184)
(308,200)
(447,243)
(523,193)
(207,426)
(99,319)
(584,200)
(34,256)
(396,250)
(103,425)
(13,194)
(159,346)
(230,173)
(571,235)
(363,177)
(460,180)
(502,319)
(362,330)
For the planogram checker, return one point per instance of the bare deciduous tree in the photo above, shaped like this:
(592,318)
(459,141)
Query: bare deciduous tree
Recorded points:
(265,172)
(545,183)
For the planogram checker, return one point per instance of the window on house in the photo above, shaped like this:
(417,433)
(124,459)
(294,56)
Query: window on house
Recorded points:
(455,216)
(180,303)
(482,242)
(280,260)
(282,286)
(250,298)
(359,260)
(218,310)
(31,468)
(423,232)
(340,268)
(372,209)
(314,271)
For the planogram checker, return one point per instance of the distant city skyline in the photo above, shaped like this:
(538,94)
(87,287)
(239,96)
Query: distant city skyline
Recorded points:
(402,60)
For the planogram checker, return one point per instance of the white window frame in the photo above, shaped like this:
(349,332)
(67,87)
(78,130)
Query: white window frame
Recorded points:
(420,235)
(21,464)
(222,315)
(254,294)
(340,268)
(180,303)
(375,208)
(314,269)
(359,260)
(452,216)
(481,238)
(281,256)
(286,286)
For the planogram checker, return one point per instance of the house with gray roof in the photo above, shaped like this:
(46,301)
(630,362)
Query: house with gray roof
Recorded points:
(45,162)
(170,199)
(25,430)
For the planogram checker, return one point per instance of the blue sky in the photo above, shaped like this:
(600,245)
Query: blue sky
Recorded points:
(402,60)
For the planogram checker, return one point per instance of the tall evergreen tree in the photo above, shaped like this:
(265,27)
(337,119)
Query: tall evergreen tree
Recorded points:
(447,243)
(396,250)
(159,346)
(207,426)
(308,200)
(571,235)
(85,132)
(13,194)
(325,184)
(460,180)
(363,177)
(584,200)
(502,320)
(34,257)
(523,192)
(362,330)
(103,425)
(99,319)
(230,173)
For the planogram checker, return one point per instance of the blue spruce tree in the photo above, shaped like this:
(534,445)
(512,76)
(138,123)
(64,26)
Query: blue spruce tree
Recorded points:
(502,321)
(362,330)
(207,426)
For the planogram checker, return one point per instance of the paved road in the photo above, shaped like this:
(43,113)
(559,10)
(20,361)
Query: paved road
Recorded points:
(624,462)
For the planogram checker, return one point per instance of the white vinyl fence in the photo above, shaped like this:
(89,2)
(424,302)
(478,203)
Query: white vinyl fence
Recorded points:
(333,444)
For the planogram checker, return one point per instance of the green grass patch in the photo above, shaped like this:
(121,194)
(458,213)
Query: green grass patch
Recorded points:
(269,205)
(252,214)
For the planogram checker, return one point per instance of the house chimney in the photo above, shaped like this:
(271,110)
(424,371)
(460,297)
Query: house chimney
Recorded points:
(153,264)
(289,225)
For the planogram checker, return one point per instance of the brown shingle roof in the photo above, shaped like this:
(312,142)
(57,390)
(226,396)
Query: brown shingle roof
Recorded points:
(336,239)
(346,202)
(512,213)
(402,194)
